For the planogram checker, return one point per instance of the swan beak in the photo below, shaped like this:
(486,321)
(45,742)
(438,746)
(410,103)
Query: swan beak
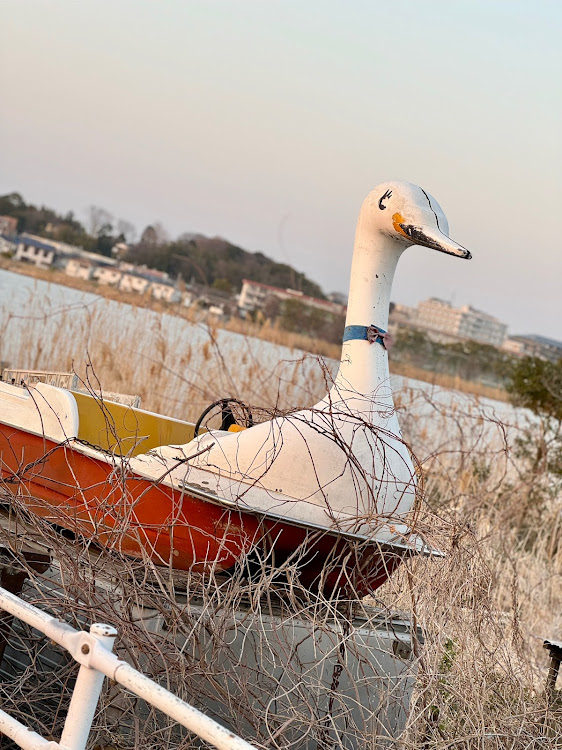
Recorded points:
(433,238)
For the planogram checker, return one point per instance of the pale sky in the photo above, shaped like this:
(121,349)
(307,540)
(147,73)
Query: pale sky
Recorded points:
(267,122)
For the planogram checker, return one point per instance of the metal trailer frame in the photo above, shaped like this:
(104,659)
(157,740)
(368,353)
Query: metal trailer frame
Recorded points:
(93,652)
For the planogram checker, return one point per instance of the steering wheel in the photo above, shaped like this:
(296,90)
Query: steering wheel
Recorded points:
(227,415)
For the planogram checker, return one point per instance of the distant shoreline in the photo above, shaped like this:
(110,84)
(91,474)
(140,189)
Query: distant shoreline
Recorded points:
(265,331)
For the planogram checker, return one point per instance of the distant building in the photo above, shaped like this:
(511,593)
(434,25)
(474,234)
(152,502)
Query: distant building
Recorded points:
(8,225)
(401,315)
(534,346)
(153,274)
(164,290)
(215,301)
(8,244)
(107,274)
(29,245)
(79,268)
(463,322)
(549,348)
(133,282)
(120,250)
(142,280)
(81,264)
(515,345)
(254,295)
(32,250)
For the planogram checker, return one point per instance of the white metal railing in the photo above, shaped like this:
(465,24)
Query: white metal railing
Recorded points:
(93,651)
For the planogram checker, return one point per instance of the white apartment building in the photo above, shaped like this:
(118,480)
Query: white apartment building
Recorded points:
(164,291)
(133,282)
(149,280)
(107,275)
(45,253)
(62,249)
(254,295)
(465,322)
(79,268)
(31,250)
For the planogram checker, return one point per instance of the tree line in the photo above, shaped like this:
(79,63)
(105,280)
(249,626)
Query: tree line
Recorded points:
(211,261)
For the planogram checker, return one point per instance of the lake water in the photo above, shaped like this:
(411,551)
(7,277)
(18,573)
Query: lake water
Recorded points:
(165,358)
(178,367)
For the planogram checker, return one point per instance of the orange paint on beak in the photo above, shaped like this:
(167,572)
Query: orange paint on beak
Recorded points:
(397,219)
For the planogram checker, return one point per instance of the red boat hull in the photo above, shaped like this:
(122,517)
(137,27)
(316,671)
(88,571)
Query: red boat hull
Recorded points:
(109,504)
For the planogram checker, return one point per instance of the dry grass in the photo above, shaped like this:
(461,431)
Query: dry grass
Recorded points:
(451,382)
(177,367)
(264,330)
(487,606)
(484,608)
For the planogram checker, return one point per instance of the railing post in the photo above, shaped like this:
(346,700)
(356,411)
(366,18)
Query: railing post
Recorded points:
(95,648)
(86,694)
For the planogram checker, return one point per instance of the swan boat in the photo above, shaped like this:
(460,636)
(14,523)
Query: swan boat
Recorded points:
(328,492)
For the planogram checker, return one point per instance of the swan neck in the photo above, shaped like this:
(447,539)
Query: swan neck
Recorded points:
(362,382)
(372,272)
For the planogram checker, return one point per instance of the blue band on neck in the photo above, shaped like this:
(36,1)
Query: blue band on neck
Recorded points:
(364,333)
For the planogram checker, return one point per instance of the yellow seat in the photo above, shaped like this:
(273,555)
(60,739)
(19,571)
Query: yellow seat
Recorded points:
(125,430)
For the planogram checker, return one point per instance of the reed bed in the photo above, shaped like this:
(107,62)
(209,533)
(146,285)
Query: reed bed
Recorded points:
(261,329)
(177,366)
(484,608)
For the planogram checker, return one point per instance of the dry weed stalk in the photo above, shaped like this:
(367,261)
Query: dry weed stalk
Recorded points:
(483,609)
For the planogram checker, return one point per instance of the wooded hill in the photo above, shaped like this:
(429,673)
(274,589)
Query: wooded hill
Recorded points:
(215,262)
(212,261)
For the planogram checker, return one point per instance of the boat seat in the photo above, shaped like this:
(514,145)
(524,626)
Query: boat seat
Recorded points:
(125,430)
(42,409)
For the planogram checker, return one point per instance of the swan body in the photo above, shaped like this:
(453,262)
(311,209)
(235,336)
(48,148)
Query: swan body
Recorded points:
(342,462)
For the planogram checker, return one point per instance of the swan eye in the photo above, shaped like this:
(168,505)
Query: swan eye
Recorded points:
(384,197)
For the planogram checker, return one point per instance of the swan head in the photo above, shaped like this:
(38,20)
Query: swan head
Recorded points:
(411,216)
